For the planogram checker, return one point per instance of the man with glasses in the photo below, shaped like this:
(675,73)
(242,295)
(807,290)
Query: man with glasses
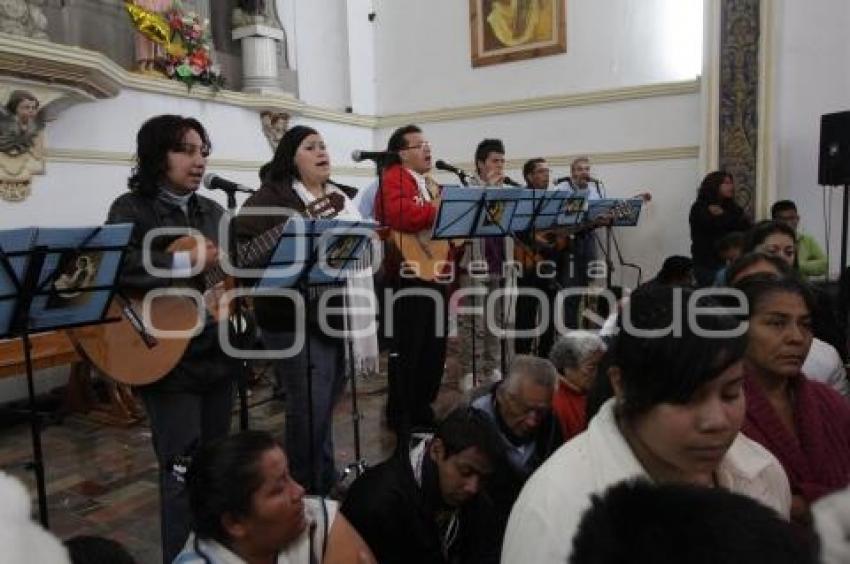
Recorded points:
(520,410)
(407,203)
(810,256)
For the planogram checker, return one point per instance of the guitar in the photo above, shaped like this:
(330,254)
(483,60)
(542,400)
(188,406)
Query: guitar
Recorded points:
(126,351)
(549,243)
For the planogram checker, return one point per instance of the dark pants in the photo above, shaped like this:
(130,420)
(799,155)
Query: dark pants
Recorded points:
(526,317)
(417,370)
(180,421)
(328,379)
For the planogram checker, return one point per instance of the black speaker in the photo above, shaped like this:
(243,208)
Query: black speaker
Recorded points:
(834,163)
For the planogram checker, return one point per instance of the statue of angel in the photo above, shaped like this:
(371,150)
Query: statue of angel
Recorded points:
(21,123)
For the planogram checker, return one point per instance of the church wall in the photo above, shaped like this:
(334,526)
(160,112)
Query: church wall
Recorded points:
(809,72)
(423,53)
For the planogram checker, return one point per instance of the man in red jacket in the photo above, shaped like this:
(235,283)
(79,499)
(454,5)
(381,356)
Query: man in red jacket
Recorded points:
(407,203)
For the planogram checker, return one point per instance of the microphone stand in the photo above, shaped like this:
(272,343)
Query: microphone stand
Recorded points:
(239,322)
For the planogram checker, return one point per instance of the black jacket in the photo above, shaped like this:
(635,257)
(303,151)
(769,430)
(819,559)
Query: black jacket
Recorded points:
(398,519)
(204,365)
(707,229)
(276,314)
(506,482)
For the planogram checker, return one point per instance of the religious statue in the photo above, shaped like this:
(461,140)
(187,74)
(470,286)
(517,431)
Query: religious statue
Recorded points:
(23,17)
(250,12)
(148,51)
(22,150)
(275,125)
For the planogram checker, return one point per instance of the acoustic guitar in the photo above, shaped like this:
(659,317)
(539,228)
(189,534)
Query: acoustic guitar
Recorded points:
(126,351)
(548,244)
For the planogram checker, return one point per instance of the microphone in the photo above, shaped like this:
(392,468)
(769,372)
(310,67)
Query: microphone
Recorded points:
(443,165)
(212,181)
(508,181)
(377,156)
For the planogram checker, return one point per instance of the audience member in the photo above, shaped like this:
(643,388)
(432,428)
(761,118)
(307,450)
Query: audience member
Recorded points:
(21,539)
(576,358)
(804,423)
(832,525)
(519,410)
(424,505)
(246,507)
(638,522)
(676,270)
(713,215)
(85,549)
(730,247)
(811,259)
(676,416)
(823,363)
(773,238)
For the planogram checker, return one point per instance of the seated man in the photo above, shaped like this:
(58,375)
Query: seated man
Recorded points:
(424,505)
(520,410)
(638,522)
(811,259)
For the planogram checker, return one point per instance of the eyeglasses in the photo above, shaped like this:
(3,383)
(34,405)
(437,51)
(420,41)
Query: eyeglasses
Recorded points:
(520,409)
(422,146)
(192,149)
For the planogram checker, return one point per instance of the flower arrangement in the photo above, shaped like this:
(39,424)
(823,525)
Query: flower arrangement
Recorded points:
(191,63)
(184,40)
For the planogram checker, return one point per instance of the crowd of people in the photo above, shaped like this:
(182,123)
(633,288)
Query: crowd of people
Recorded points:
(692,426)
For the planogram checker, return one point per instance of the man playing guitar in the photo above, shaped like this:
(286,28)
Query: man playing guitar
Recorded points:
(407,203)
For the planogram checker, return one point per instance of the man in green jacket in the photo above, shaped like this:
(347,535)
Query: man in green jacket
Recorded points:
(810,257)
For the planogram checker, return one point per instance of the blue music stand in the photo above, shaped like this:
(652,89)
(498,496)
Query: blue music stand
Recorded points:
(54,278)
(314,252)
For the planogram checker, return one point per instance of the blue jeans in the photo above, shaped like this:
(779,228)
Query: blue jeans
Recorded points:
(328,360)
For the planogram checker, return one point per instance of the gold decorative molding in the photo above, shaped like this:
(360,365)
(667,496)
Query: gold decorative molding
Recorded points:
(545,103)
(117,158)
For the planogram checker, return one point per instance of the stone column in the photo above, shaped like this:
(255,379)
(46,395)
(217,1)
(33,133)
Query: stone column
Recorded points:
(259,57)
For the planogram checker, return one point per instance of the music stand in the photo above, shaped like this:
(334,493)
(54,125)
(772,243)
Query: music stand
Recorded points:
(53,279)
(471,213)
(313,252)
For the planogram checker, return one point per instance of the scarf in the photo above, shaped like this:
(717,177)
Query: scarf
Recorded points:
(360,323)
(817,460)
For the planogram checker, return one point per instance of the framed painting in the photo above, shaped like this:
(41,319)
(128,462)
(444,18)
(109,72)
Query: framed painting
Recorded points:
(512,30)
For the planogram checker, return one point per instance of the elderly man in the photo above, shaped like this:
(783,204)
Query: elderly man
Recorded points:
(520,410)
(576,358)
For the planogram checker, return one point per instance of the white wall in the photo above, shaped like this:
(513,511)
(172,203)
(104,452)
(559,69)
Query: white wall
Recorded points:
(811,55)
(321,37)
(423,53)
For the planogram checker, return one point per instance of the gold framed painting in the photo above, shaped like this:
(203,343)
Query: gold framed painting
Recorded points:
(512,30)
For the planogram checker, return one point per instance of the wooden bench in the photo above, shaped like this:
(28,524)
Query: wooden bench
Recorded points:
(53,349)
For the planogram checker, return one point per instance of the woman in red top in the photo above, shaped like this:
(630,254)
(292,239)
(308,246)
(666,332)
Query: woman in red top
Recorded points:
(804,423)
(576,357)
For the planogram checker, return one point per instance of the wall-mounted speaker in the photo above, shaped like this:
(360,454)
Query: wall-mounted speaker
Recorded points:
(834,162)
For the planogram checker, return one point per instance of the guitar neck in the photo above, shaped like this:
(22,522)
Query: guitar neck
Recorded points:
(251,254)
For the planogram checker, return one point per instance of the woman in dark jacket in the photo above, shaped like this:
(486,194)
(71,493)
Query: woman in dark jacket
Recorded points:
(713,215)
(297,182)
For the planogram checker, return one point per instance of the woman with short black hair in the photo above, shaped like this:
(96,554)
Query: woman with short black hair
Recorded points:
(247,508)
(675,417)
